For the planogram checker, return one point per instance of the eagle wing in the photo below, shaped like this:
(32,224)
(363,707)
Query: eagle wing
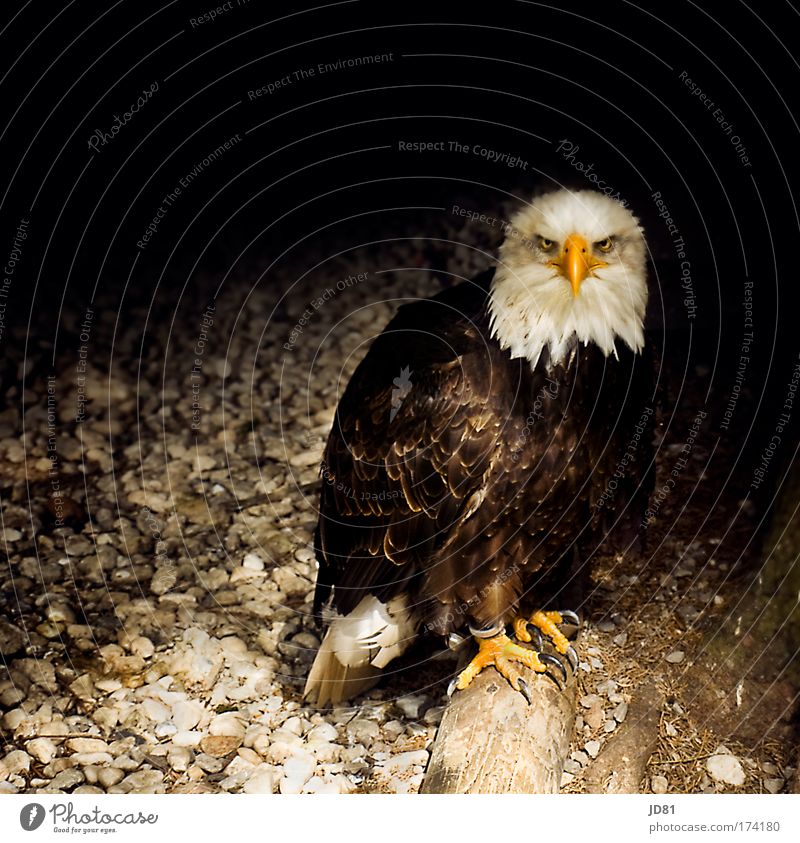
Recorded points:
(407,452)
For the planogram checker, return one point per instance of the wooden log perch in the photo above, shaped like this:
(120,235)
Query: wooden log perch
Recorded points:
(621,766)
(491,741)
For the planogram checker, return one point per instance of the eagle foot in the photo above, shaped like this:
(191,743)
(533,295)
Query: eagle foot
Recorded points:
(503,653)
(526,629)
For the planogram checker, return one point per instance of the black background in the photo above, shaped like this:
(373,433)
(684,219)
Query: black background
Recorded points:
(318,162)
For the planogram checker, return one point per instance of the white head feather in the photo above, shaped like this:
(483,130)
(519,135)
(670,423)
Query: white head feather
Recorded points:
(532,304)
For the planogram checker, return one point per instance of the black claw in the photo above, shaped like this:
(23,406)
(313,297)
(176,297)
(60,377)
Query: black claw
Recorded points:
(572,656)
(455,641)
(570,617)
(546,658)
(452,687)
(536,635)
(522,685)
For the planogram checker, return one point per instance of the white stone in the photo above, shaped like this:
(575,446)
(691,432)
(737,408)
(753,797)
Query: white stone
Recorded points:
(179,757)
(260,782)
(404,761)
(363,730)
(293,725)
(727,769)
(592,748)
(253,562)
(186,714)
(227,724)
(109,776)
(156,710)
(299,767)
(187,738)
(411,705)
(42,749)
(323,732)
(144,781)
(17,761)
(141,646)
(165,730)
(86,745)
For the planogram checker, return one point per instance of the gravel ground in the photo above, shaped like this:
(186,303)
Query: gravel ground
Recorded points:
(158,641)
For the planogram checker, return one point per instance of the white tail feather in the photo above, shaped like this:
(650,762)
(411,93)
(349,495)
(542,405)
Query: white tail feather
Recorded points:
(357,647)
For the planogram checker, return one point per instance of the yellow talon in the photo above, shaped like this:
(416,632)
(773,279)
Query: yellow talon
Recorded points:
(547,622)
(501,652)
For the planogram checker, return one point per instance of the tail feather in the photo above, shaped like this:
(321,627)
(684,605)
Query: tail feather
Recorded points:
(357,647)
(330,681)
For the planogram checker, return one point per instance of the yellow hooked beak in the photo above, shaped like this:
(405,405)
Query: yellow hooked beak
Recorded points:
(576,261)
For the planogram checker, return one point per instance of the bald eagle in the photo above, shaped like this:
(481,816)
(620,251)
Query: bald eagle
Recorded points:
(482,446)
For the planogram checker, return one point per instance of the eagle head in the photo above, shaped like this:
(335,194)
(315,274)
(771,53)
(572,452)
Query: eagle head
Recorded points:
(571,269)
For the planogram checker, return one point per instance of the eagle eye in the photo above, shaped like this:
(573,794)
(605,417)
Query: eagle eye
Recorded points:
(545,244)
(604,245)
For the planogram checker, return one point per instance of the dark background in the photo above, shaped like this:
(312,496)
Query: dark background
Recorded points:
(318,163)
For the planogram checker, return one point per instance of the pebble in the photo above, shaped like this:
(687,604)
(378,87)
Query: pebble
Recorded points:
(773,785)
(179,758)
(323,732)
(433,716)
(165,730)
(411,705)
(109,776)
(675,657)
(86,745)
(209,763)
(187,738)
(144,781)
(186,714)
(659,784)
(363,730)
(726,768)
(253,563)
(87,788)
(219,745)
(12,638)
(620,712)
(42,749)
(297,770)
(404,760)
(595,716)
(141,646)
(155,710)
(17,761)
(67,779)
(592,748)
(260,782)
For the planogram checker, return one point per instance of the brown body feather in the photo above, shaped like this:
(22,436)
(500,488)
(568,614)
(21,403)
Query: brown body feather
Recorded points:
(484,475)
